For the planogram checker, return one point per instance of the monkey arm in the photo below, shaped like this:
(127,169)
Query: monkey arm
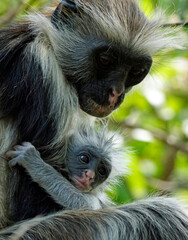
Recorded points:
(58,187)
(151,219)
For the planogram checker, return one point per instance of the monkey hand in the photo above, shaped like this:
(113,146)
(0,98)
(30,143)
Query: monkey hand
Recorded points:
(22,155)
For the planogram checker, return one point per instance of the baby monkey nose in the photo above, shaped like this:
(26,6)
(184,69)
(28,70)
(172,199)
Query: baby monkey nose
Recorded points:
(90,175)
(113,96)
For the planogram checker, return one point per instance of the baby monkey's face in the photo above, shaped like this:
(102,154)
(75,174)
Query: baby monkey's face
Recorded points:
(87,168)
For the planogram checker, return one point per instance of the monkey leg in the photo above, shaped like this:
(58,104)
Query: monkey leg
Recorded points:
(152,219)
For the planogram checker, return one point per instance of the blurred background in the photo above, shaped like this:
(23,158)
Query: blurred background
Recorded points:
(153,120)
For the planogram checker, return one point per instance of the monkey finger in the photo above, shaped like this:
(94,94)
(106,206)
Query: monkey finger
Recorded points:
(12,154)
(15,161)
(18,148)
(27,144)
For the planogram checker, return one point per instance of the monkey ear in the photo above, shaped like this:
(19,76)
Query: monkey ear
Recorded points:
(64,12)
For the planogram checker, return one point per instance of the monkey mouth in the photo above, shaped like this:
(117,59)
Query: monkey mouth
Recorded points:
(101,111)
(81,185)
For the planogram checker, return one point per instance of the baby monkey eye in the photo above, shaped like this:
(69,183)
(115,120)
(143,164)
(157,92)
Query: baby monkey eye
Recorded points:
(102,171)
(84,158)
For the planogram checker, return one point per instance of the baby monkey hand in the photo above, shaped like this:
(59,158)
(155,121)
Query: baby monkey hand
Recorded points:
(23,155)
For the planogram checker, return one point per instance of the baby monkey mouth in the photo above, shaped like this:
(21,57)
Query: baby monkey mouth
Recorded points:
(81,184)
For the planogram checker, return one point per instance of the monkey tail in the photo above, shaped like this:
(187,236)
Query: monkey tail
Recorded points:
(152,219)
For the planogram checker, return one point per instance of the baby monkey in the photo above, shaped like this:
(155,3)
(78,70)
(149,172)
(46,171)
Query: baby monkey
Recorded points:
(90,165)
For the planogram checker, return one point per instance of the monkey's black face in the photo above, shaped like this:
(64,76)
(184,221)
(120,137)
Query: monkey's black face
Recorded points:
(87,168)
(104,73)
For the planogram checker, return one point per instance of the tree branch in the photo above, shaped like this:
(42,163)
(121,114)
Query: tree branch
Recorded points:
(166,186)
(169,164)
(170,140)
(177,24)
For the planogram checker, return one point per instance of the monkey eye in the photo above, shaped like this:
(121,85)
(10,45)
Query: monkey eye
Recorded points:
(104,60)
(84,158)
(102,171)
(137,72)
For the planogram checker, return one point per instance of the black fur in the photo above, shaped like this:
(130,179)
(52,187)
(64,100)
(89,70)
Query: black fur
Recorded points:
(22,91)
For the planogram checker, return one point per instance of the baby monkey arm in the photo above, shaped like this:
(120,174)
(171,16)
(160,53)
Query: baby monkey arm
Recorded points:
(55,184)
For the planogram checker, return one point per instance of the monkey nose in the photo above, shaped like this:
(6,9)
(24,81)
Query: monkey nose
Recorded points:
(90,175)
(113,96)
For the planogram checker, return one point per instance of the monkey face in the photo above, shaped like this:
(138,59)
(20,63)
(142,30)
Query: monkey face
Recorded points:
(87,168)
(102,64)
(105,75)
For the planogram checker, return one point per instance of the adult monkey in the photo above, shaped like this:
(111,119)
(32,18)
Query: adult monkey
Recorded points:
(51,75)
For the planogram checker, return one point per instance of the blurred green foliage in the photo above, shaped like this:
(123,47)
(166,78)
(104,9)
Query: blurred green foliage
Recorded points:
(153,120)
